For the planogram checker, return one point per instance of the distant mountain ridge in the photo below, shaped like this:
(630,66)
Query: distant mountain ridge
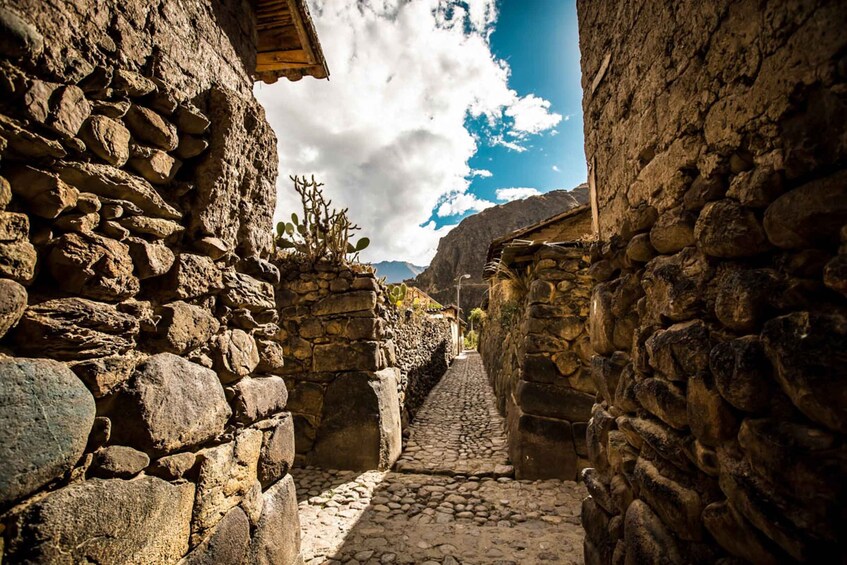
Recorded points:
(397,271)
(464,248)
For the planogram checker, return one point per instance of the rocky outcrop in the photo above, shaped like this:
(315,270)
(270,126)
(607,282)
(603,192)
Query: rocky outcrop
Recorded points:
(718,313)
(464,249)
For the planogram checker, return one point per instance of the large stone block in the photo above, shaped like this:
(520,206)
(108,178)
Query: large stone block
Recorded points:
(142,521)
(677,505)
(553,401)
(736,535)
(680,351)
(243,291)
(257,398)
(46,416)
(226,545)
(358,356)
(665,400)
(742,373)
(13,301)
(170,404)
(675,285)
(183,327)
(226,473)
(75,328)
(276,540)
(190,277)
(357,301)
(235,355)
(540,448)
(93,266)
(277,454)
(647,538)
(807,350)
(360,427)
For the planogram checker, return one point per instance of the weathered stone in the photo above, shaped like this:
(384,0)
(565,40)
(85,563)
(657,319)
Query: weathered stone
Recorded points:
(742,373)
(118,461)
(271,356)
(116,231)
(540,448)
(711,419)
(596,435)
(345,303)
(277,454)
(97,80)
(835,274)
(170,404)
(809,216)
(235,355)
(46,417)
(184,327)
(678,506)
(743,296)
(191,120)
(46,195)
(253,503)
(703,190)
(5,193)
(674,285)
(621,492)
(640,249)
(257,398)
(665,400)
(27,143)
(277,536)
(154,165)
(360,428)
(667,442)
(133,84)
(190,277)
(13,226)
(79,223)
(19,37)
(150,259)
(106,521)
(595,522)
(598,490)
(601,320)
(13,301)
(191,146)
(647,539)
(212,246)
(92,266)
(806,348)
(680,351)
(726,229)
(226,473)
(106,138)
(68,110)
(157,228)
(107,181)
(75,328)
(227,544)
(554,401)
(756,188)
(672,231)
(356,356)
(622,456)
(111,109)
(803,460)
(736,535)
(625,399)
(100,434)
(147,125)
(17,261)
(173,467)
(102,375)
(243,291)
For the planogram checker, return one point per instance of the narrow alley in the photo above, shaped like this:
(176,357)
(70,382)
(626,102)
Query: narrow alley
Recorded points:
(451,498)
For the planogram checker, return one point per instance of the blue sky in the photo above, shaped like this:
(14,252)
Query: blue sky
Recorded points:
(539,40)
(435,109)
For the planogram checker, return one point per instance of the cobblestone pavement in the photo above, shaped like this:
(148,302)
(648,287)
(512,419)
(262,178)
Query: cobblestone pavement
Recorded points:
(444,514)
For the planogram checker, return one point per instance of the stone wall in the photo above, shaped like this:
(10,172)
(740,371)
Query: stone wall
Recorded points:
(340,366)
(716,136)
(143,417)
(425,349)
(537,354)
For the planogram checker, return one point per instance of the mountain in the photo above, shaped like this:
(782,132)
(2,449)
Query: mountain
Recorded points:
(397,271)
(464,248)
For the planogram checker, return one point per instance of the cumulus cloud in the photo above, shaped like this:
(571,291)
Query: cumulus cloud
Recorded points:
(482,173)
(557,169)
(388,133)
(517,193)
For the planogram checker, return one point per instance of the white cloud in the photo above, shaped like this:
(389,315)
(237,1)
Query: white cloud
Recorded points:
(462,202)
(481,173)
(518,193)
(557,169)
(532,115)
(387,133)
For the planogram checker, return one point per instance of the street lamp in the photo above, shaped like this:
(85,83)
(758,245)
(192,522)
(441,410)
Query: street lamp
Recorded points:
(458,295)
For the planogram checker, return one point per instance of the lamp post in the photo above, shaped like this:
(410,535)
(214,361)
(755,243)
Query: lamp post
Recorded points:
(459,294)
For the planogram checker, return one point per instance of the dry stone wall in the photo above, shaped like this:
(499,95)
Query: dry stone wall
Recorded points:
(143,412)
(340,366)
(424,350)
(536,351)
(716,133)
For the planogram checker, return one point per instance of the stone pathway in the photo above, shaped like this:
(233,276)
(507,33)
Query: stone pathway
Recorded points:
(450,503)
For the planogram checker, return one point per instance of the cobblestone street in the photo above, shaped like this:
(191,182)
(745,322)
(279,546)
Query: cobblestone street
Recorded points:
(451,500)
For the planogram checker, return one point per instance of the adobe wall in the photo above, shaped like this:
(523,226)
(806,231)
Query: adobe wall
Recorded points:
(716,136)
(144,419)
(536,351)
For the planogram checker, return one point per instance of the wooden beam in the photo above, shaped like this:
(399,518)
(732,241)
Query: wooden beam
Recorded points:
(279,39)
(301,31)
(267,58)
